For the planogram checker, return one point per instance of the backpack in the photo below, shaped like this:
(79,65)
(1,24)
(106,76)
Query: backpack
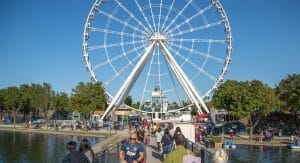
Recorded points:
(190,158)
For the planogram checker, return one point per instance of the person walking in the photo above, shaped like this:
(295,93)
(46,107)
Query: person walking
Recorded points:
(177,156)
(159,136)
(132,151)
(167,142)
(86,148)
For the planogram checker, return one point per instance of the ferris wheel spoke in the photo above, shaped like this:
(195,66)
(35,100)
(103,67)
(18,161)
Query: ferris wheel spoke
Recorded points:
(152,15)
(113,59)
(159,16)
(179,14)
(191,18)
(200,40)
(206,55)
(115,44)
(144,16)
(208,52)
(167,16)
(116,32)
(121,21)
(132,15)
(118,73)
(199,69)
(193,29)
(147,79)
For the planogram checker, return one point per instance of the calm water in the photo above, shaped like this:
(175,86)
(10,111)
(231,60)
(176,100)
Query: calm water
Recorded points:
(35,148)
(261,154)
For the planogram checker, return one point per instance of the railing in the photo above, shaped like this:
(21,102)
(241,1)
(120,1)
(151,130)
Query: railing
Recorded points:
(200,151)
(111,153)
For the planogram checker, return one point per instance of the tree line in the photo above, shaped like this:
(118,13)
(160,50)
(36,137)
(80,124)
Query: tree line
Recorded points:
(37,99)
(245,100)
(249,101)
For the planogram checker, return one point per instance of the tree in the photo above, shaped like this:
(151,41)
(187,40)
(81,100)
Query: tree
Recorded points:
(246,100)
(136,105)
(26,107)
(2,106)
(12,100)
(128,100)
(288,91)
(87,97)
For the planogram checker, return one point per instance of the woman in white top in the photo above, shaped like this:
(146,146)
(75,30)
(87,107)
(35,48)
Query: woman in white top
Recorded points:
(86,148)
(159,136)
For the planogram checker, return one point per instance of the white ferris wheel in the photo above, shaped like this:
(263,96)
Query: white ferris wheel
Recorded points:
(183,47)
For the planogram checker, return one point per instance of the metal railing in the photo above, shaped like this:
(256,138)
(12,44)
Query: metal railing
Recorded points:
(200,151)
(111,153)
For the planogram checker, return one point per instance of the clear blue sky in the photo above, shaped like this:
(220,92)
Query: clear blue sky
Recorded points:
(40,41)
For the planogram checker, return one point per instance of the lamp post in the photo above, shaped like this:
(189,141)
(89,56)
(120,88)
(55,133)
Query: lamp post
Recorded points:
(222,120)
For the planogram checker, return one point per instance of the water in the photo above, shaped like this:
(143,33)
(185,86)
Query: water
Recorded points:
(263,154)
(35,148)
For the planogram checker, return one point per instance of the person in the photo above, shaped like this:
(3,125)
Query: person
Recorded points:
(86,148)
(141,134)
(158,135)
(231,134)
(132,151)
(220,156)
(261,136)
(167,143)
(178,154)
(177,132)
(74,156)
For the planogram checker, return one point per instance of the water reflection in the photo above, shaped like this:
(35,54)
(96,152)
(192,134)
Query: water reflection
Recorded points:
(32,147)
(262,154)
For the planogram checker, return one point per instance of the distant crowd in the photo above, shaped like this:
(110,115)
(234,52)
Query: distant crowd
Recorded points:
(170,144)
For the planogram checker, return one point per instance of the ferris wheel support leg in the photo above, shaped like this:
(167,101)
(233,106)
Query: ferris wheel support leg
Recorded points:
(126,87)
(184,85)
(185,81)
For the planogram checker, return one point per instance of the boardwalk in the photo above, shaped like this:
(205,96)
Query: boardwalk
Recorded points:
(152,155)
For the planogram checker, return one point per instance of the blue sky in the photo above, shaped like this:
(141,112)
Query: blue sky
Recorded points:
(40,41)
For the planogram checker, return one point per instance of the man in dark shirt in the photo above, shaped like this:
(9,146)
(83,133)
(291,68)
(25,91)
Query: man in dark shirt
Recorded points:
(132,151)
(141,135)
(74,156)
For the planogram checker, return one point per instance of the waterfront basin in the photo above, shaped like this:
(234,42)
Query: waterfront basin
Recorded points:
(263,154)
(28,147)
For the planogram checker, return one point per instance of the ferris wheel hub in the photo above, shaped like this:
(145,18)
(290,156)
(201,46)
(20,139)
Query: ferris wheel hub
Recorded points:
(157,36)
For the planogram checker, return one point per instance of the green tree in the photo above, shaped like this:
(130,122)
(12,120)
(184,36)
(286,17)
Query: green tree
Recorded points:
(2,106)
(128,100)
(26,101)
(12,100)
(136,105)
(87,97)
(288,91)
(246,100)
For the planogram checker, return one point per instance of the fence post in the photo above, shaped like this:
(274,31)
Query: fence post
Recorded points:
(202,154)
(192,147)
(106,151)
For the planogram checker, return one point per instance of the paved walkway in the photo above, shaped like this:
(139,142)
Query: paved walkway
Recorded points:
(152,155)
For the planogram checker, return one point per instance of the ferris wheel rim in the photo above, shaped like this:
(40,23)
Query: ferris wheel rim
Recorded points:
(218,79)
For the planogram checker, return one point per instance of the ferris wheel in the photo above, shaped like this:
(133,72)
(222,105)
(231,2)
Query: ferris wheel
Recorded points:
(181,47)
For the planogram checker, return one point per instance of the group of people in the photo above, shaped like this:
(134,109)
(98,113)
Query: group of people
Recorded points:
(84,154)
(295,139)
(171,145)
(264,135)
